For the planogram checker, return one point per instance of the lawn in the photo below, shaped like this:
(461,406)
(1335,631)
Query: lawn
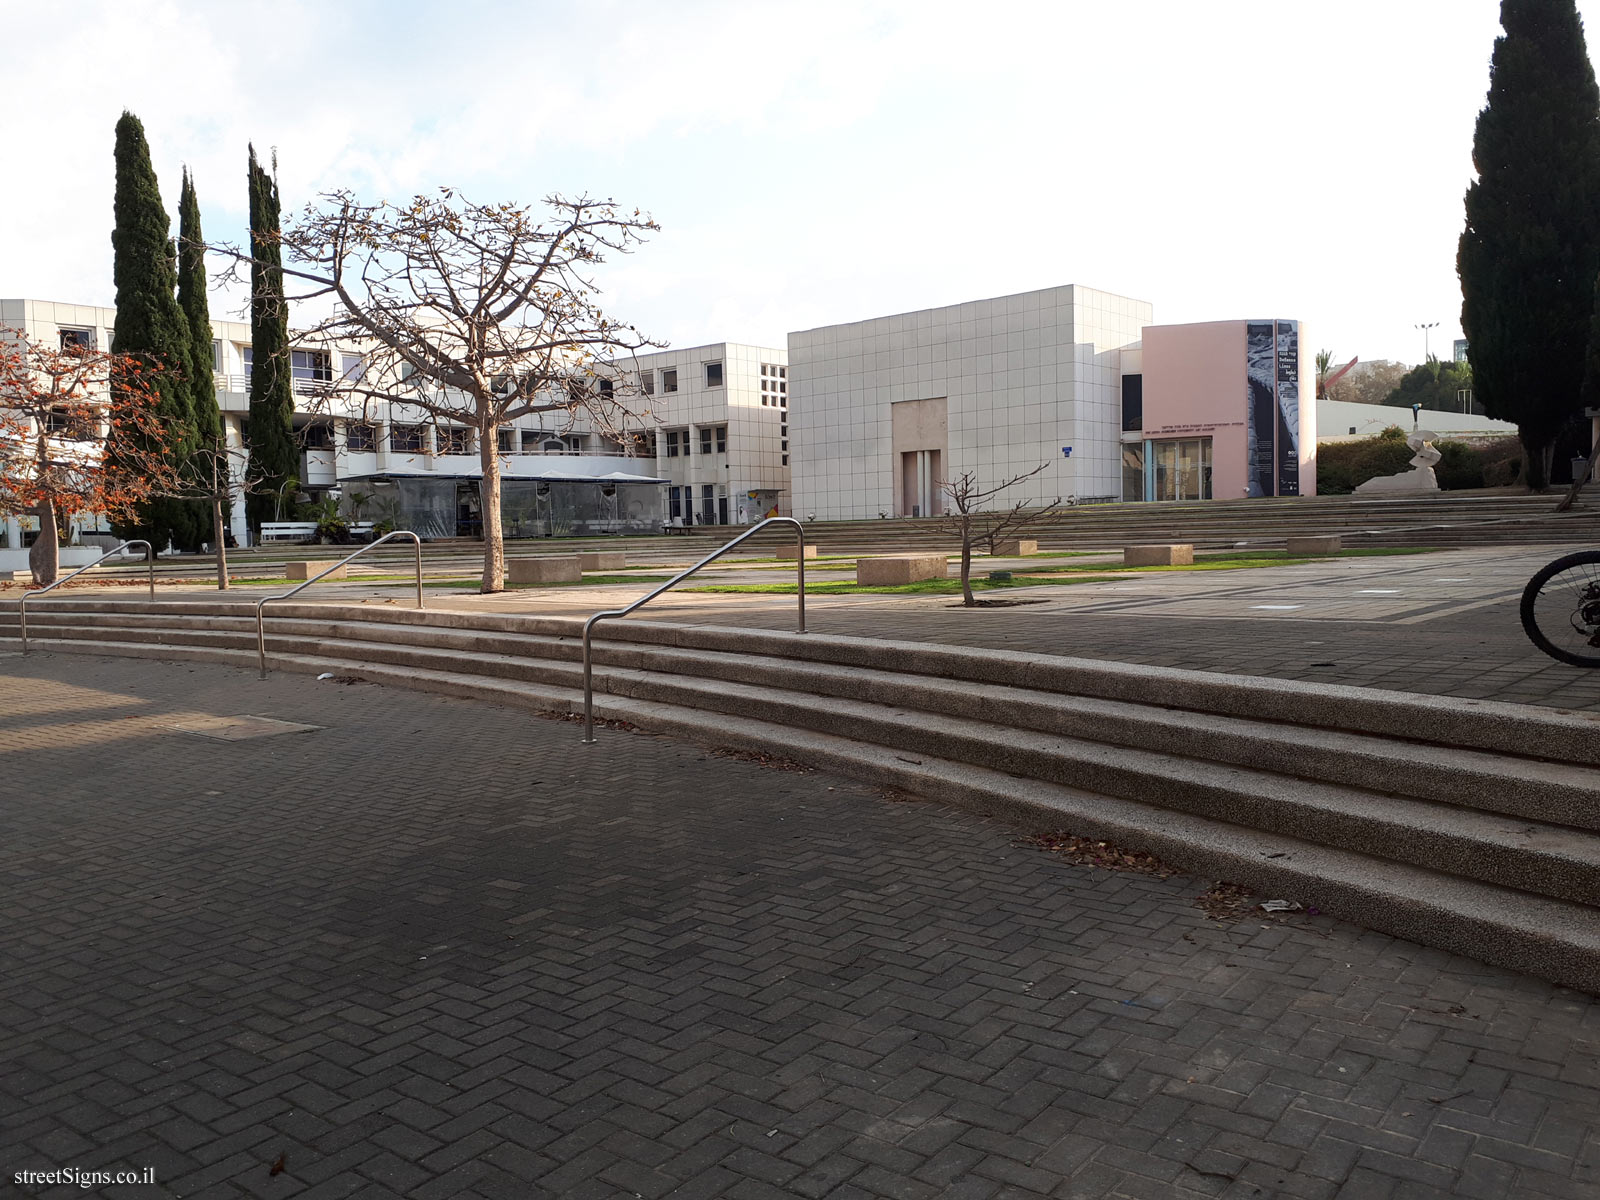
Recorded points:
(1053,576)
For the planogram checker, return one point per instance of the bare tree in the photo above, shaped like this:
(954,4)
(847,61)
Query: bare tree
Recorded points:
(470,314)
(978,523)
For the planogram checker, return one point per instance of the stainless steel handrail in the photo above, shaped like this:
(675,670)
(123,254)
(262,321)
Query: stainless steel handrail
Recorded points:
(261,632)
(22,605)
(588,664)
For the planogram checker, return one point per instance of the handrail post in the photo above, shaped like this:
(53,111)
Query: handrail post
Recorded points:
(261,605)
(588,626)
(22,601)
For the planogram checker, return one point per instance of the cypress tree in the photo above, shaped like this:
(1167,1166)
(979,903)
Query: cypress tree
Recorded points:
(1530,253)
(274,462)
(202,385)
(150,323)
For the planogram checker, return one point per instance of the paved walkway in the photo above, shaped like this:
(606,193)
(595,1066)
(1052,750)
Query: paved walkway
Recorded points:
(435,948)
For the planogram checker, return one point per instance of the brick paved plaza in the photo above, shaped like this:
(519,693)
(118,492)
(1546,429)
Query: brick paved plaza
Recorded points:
(436,949)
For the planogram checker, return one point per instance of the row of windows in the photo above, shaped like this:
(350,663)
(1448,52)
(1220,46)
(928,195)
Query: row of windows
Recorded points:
(710,435)
(712,510)
(774,386)
(363,438)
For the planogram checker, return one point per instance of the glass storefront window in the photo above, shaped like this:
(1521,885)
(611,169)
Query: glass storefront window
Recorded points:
(1182,469)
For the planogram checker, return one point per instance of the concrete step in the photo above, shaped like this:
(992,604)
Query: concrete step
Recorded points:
(1550,938)
(1528,854)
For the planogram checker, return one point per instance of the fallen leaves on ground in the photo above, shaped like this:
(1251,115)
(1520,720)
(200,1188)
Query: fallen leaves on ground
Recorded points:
(760,758)
(1226,901)
(1090,852)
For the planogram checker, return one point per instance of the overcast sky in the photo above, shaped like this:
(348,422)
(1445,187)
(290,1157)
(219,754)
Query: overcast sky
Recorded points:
(812,162)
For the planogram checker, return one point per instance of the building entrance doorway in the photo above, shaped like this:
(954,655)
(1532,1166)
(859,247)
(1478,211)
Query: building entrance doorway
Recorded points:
(1182,469)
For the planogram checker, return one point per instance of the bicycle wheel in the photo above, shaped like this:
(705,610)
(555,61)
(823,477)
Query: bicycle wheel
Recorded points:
(1561,609)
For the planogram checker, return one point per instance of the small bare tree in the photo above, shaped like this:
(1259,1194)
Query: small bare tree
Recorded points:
(470,314)
(980,524)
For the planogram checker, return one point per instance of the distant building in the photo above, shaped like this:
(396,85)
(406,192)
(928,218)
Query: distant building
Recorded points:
(1461,349)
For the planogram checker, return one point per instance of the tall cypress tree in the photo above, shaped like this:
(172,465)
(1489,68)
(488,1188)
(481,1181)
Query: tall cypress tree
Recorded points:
(274,461)
(150,323)
(1530,254)
(202,384)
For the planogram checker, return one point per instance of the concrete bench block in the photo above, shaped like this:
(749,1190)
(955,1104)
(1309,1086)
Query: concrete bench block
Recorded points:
(891,569)
(1176,555)
(791,550)
(562,568)
(1318,544)
(310,569)
(1015,548)
(602,560)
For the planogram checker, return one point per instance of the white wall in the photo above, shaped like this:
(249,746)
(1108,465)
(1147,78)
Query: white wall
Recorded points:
(1023,375)
(1335,419)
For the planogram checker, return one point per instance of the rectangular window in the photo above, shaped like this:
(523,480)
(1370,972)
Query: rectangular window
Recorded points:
(455,439)
(607,388)
(722,442)
(705,439)
(530,441)
(669,381)
(708,502)
(311,366)
(1132,403)
(361,438)
(672,443)
(216,356)
(504,440)
(352,367)
(249,359)
(674,504)
(77,339)
(647,383)
(318,437)
(722,506)
(713,374)
(408,439)
(56,421)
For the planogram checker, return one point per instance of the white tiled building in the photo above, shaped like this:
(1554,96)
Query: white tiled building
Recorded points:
(886,408)
(559,476)
(720,417)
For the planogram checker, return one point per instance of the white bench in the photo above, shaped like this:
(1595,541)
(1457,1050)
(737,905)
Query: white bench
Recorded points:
(287,531)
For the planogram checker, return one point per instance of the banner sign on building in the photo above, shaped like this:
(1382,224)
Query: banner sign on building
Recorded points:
(1288,409)
(1261,416)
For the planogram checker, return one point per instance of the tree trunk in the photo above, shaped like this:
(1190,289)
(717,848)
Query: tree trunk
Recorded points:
(219,533)
(44,556)
(966,565)
(494,542)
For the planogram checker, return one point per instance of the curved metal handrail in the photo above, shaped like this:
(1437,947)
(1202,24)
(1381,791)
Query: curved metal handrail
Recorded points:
(261,632)
(22,605)
(588,665)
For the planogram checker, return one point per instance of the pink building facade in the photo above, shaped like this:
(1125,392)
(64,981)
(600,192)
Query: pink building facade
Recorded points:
(1218,410)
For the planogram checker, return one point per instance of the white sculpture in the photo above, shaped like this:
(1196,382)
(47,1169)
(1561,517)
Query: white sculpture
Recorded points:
(1421,477)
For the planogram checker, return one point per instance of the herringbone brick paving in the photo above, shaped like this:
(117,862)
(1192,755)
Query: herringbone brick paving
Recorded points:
(441,949)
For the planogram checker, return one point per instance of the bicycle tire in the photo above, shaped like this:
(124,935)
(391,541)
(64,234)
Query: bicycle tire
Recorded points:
(1536,588)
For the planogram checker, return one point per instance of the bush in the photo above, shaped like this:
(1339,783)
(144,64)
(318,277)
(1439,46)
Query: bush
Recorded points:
(1344,466)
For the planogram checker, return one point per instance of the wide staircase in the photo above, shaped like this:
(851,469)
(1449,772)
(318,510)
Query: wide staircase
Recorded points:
(1468,825)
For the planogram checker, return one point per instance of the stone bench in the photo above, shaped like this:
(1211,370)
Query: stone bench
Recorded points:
(888,570)
(1327,543)
(791,550)
(1016,548)
(602,560)
(309,569)
(1177,554)
(562,568)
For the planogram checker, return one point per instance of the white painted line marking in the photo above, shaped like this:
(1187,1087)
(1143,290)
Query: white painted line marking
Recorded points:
(1379,592)
(1278,607)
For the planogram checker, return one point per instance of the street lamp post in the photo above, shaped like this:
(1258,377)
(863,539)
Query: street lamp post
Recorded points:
(1426,355)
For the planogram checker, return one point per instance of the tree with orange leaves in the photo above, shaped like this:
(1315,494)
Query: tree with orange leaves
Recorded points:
(78,434)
